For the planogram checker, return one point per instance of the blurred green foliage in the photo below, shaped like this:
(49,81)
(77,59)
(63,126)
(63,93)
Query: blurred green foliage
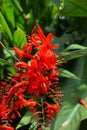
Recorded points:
(67,20)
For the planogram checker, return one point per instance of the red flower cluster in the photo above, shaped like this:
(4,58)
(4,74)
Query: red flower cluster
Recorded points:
(41,64)
(36,77)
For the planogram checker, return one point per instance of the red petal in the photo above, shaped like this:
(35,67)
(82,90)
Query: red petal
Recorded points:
(40,30)
(6,128)
(22,65)
(17,50)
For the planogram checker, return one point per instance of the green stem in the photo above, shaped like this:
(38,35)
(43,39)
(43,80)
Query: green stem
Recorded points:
(42,104)
(6,61)
(9,51)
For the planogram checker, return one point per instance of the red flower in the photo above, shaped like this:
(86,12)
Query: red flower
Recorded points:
(13,90)
(32,104)
(25,52)
(51,109)
(49,58)
(6,128)
(38,83)
(48,42)
(20,53)
(19,104)
(42,61)
(4,111)
(38,39)
(23,102)
(22,65)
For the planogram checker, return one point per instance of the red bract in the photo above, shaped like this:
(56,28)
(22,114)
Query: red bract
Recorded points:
(51,109)
(32,104)
(6,128)
(22,65)
(4,111)
(48,59)
(48,42)
(19,104)
(37,84)
(25,52)
(39,38)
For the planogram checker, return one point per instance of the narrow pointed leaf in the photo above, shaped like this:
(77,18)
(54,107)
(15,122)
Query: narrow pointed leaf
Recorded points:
(67,74)
(73,54)
(75,46)
(5,26)
(18,6)
(25,119)
(8,12)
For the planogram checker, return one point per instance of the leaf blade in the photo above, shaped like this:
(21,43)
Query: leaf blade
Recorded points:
(67,74)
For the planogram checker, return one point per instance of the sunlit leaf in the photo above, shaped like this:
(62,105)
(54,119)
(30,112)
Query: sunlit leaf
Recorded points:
(19,38)
(25,119)
(5,26)
(18,6)
(8,12)
(74,46)
(73,8)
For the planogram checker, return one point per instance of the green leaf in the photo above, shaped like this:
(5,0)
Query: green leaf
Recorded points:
(67,74)
(73,54)
(8,55)
(25,119)
(70,117)
(11,69)
(19,13)
(31,18)
(18,6)
(8,12)
(5,26)
(19,38)
(73,8)
(1,28)
(72,112)
(33,126)
(74,46)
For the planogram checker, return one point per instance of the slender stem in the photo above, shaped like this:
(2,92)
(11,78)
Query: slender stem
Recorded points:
(9,51)
(65,56)
(76,52)
(6,61)
(42,104)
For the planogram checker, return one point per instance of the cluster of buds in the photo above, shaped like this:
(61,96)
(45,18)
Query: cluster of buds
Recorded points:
(35,83)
